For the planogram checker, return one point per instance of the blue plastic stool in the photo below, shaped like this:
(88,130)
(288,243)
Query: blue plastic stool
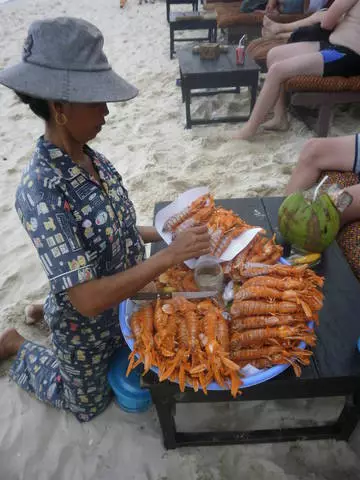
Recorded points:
(129,396)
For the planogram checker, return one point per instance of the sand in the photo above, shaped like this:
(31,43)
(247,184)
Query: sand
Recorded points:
(158,159)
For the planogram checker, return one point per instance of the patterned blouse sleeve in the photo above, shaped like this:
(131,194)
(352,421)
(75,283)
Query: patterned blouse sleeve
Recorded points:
(54,232)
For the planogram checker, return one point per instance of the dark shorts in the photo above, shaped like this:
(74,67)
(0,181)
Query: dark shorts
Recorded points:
(339,61)
(356,167)
(311,33)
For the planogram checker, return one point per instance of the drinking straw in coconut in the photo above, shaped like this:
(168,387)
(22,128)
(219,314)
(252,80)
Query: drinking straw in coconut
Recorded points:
(319,186)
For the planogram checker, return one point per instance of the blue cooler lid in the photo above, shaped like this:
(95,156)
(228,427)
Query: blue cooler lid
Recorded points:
(120,383)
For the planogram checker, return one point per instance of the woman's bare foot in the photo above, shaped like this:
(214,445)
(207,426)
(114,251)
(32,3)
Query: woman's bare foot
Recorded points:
(278,125)
(272,28)
(34,313)
(10,343)
(245,133)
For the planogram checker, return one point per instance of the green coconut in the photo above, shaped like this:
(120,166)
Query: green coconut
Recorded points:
(309,225)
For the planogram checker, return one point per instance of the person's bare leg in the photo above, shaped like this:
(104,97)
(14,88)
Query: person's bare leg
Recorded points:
(318,155)
(34,313)
(352,213)
(280,121)
(283,52)
(10,343)
(308,64)
(272,29)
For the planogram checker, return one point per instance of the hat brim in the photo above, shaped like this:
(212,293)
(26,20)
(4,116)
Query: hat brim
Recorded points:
(67,85)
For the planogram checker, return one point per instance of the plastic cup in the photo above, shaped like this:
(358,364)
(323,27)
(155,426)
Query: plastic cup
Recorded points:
(208,274)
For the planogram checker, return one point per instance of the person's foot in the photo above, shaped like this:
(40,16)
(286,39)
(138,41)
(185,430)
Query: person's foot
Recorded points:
(34,313)
(277,125)
(245,133)
(272,28)
(10,343)
(266,34)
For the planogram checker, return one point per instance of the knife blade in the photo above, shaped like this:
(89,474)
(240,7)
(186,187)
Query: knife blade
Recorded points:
(168,295)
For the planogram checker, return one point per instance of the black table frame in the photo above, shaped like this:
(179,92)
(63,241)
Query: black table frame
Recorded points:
(219,82)
(191,24)
(194,4)
(322,378)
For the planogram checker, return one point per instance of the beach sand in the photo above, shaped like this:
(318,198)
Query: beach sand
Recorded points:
(158,159)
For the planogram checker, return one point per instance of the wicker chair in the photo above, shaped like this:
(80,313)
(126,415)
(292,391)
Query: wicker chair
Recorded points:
(348,238)
(308,92)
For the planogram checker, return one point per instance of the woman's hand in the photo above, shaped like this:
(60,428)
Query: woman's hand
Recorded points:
(149,234)
(191,243)
(94,297)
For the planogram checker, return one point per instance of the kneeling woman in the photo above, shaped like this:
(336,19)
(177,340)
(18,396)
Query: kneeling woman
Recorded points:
(74,207)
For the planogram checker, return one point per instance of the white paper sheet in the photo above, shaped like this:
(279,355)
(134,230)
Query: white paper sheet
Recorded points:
(184,200)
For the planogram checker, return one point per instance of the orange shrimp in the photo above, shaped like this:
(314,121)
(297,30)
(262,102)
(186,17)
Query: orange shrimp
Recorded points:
(248,308)
(188,283)
(282,283)
(262,363)
(222,332)
(181,356)
(160,316)
(193,327)
(250,354)
(275,256)
(257,249)
(227,239)
(254,336)
(201,216)
(250,292)
(141,324)
(301,297)
(218,360)
(172,222)
(253,270)
(263,321)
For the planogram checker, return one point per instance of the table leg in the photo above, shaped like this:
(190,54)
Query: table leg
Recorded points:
(172,50)
(187,94)
(210,35)
(349,417)
(182,87)
(165,407)
(254,87)
(215,35)
(167,10)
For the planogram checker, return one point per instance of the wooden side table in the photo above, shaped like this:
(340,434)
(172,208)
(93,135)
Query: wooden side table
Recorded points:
(219,74)
(194,4)
(188,21)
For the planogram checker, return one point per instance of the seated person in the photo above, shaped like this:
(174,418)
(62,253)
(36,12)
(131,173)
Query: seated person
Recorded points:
(340,55)
(322,154)
(294,6)
(283,31)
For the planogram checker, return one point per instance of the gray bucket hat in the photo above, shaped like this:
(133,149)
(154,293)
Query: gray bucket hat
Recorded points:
(63,60)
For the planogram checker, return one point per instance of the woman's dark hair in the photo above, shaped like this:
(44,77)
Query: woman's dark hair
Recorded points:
(39,106)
